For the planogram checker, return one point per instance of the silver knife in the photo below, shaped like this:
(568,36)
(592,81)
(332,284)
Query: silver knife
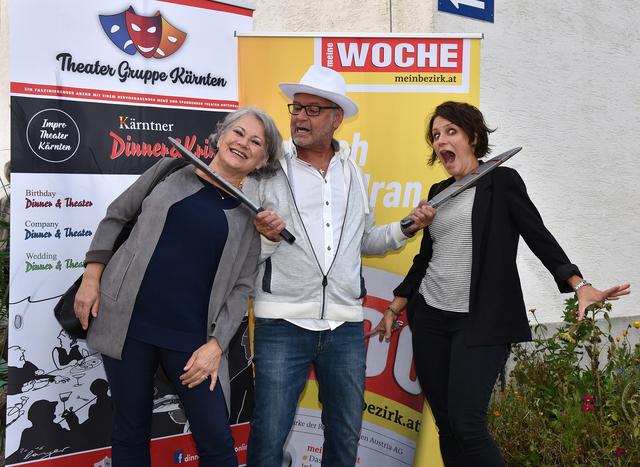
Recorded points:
(465,182)
(189,156)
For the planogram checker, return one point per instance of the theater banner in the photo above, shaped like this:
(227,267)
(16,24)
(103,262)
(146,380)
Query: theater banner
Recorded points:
(96,89)
(396,80)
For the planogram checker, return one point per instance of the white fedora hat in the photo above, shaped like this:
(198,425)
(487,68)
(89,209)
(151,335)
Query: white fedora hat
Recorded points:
(323,82)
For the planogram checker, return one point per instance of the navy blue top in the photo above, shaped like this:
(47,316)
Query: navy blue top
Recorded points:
(173,301)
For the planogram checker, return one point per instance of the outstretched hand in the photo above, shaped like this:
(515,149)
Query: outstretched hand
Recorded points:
(588,295)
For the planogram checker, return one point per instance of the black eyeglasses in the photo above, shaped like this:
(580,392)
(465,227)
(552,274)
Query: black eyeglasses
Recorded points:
(311,110)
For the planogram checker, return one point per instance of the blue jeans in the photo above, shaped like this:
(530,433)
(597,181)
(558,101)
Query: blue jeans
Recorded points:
(284,353)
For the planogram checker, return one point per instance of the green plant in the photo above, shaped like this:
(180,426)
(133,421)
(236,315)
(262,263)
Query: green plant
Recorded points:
(572,398)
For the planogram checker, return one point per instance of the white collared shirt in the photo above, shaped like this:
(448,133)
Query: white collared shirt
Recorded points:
(322,203)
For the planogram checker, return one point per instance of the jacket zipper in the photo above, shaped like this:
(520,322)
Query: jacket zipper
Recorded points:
(325,278)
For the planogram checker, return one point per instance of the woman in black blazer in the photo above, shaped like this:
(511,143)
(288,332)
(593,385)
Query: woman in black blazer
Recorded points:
(463,295)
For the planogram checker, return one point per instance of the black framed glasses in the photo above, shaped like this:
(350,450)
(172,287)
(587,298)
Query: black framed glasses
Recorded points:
(311,110)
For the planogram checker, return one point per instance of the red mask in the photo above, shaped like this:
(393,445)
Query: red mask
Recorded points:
(145,32)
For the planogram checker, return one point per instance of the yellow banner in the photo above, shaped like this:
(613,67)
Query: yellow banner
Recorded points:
(396,81)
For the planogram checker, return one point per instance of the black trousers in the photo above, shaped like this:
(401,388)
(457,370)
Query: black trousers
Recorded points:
(457,382)
(131,385)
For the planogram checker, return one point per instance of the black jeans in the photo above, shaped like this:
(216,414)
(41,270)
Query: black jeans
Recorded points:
(131,385)
(457,382)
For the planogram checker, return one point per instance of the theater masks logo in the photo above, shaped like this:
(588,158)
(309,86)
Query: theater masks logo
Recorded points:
(152,36)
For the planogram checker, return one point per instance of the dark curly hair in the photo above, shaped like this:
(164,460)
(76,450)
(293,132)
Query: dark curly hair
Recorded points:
(469,119)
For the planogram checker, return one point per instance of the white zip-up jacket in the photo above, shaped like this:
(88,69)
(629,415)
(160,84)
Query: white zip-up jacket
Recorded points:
(290,282)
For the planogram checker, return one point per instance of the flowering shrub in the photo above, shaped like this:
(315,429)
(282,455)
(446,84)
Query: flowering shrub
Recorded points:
(572,398)
(587,404)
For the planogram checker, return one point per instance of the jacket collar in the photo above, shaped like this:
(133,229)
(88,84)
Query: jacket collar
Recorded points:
(291,151)
(479,220)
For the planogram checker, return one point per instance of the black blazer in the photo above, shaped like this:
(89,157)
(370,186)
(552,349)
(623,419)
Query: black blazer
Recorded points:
(502,213)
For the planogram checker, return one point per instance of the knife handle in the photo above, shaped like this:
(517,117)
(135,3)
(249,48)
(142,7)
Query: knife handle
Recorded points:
(285,234)
(288,236)
(406,222)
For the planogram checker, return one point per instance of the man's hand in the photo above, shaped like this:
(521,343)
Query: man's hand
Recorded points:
(422,216)
(269,224)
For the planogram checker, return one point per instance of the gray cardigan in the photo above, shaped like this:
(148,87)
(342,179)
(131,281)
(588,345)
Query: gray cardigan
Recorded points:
(125,268)
(290,283)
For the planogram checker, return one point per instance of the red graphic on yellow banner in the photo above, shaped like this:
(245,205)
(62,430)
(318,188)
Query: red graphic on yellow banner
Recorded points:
(402,64)
(392,54)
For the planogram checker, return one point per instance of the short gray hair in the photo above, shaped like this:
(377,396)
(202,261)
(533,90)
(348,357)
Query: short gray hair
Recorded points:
(273,138)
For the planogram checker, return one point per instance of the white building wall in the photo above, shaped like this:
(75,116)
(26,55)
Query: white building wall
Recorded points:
(343,15)
(559,78)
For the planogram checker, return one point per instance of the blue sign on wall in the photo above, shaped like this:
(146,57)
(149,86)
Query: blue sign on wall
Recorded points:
(478,9)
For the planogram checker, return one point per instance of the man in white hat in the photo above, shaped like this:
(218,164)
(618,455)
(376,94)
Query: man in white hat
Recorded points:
(308,303)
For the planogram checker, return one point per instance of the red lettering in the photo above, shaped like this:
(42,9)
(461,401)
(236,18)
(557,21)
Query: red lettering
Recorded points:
(390,371)
(32,203)
(129,148)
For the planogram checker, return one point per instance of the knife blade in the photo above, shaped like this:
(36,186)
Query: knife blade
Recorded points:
(465,182)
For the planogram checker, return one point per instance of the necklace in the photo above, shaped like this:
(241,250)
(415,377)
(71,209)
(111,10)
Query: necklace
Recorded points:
(322,172)
(224,194)
(220,192)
